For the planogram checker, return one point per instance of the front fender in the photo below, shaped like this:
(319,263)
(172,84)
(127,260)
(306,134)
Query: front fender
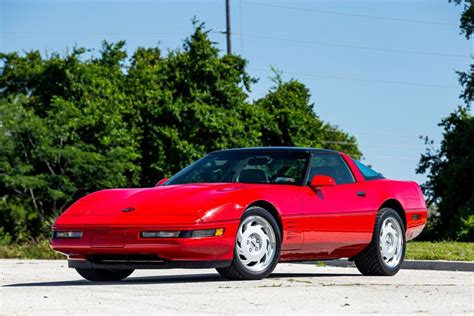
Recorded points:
(224,212)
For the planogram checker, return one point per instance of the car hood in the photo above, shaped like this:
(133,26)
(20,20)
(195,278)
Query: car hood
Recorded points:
(167,205)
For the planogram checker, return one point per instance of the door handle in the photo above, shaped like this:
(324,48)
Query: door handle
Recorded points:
(361,193)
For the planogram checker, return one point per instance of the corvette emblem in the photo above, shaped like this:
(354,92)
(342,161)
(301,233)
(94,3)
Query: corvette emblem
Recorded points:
(128,209)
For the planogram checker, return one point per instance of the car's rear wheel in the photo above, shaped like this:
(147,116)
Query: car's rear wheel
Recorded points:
(257,247)
(386,251)
(104,275)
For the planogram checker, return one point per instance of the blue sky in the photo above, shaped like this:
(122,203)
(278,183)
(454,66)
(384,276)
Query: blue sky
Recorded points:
(383,71)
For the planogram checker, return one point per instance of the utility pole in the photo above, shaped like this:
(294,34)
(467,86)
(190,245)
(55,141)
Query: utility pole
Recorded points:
(227,30)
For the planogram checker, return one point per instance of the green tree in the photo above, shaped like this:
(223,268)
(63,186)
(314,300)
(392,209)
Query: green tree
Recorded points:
(451,167)
(191,102)
(467,17)
(62,134)
(450,170)
(466,79)
(73,124)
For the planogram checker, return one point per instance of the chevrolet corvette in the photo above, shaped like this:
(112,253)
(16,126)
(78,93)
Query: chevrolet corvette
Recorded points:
(241,211)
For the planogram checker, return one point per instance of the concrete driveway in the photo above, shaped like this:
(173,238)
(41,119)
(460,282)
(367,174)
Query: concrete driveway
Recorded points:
(49,287)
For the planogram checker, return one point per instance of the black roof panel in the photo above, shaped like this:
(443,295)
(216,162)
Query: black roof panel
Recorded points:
(275,149)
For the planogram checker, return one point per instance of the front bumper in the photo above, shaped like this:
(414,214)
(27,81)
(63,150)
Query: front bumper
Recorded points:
(134,262)
(126,243)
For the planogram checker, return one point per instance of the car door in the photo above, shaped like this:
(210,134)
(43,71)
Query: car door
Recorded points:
(337,217)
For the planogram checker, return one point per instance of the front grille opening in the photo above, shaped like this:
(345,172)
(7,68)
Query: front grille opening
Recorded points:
(134,258)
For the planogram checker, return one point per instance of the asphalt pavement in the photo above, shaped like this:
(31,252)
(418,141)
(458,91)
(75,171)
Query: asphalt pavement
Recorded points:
(49,287)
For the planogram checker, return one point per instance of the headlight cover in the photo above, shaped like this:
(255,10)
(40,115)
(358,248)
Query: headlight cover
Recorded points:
(182,234)
(159,234)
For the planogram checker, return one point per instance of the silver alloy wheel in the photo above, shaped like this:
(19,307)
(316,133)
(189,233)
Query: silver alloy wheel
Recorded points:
(391,242)
(255,244)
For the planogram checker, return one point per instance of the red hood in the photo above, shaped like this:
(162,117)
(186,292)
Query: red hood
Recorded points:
(167,205)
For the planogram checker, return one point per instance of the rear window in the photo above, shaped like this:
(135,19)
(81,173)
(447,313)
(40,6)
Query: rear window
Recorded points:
(367,172)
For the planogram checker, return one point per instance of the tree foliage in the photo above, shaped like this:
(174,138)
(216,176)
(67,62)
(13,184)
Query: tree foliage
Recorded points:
(450,168)
(466,22)
(466,79)
(62,134)
(73,124)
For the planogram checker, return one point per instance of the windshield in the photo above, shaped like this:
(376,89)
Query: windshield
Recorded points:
(245,167)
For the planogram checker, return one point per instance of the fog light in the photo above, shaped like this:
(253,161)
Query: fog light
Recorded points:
(207,233)
(159,234)
(68,234)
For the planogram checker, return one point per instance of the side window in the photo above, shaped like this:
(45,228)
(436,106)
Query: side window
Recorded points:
(331,165)
(368,173)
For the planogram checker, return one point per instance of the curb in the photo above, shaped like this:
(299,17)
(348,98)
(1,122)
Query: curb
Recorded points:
(439,265)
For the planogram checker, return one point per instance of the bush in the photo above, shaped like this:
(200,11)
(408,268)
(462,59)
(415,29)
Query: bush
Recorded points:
(29,250)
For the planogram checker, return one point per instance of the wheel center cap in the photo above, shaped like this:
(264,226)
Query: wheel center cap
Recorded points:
(389,240)
(253,244)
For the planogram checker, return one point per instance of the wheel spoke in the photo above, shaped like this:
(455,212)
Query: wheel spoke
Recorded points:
(245,261)
(259,256)
(391,230)
(383,251)
(264,235)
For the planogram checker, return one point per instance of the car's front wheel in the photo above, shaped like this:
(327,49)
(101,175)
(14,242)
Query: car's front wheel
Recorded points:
(257,247)
(386,251)
(104,275)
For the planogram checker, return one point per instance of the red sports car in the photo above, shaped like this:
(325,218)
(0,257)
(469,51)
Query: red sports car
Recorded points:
(242,211)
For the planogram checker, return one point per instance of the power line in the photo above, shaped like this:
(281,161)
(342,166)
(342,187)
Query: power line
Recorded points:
(87,33)
(402,51)
(392,156)
(406,83)
(257,36)
(351,14)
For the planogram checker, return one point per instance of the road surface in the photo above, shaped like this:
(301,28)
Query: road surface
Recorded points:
(49,287)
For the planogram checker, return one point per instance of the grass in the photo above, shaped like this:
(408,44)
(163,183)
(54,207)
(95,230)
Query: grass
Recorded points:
(444,250)
(418,250)
(29,250)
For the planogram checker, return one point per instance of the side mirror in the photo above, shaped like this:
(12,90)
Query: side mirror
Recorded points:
(322,181)
(159,183)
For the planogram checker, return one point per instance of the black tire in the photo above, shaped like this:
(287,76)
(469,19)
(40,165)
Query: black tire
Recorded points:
(103,275)
(237,271)
(370,261)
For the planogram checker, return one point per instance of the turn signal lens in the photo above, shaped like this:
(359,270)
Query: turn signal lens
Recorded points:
(207,233)
(67,234)
(159,234)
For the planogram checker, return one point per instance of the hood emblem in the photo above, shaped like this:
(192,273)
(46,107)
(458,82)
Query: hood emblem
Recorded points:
(128,209)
